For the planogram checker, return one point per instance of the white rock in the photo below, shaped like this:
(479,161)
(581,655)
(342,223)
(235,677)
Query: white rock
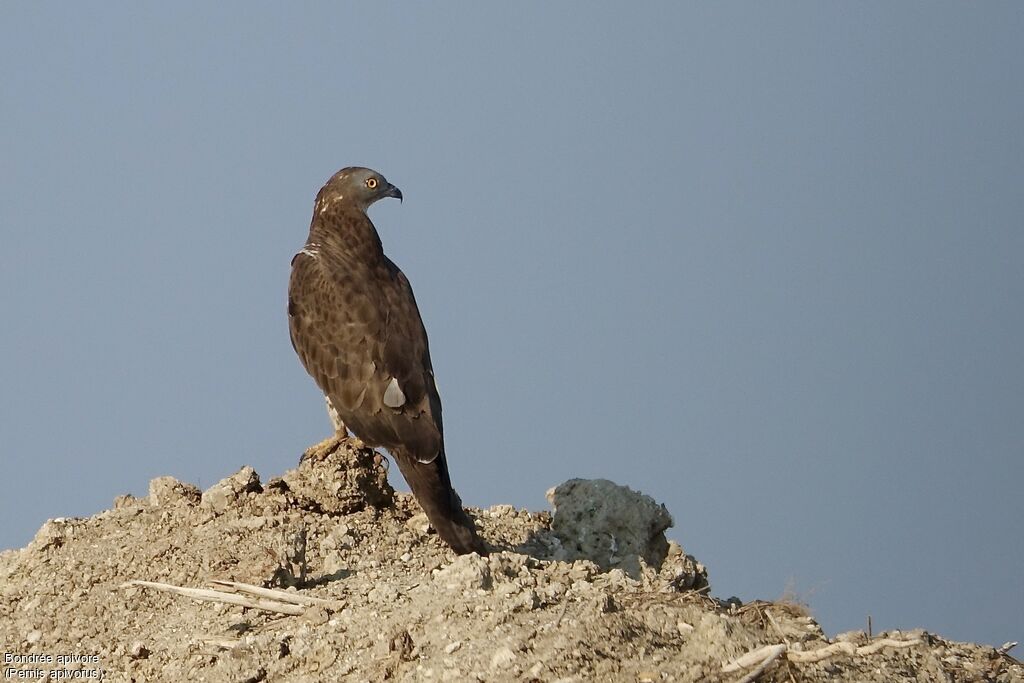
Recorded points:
(502,658)
(227,491)
(168,490)
(466,572)
(611,525)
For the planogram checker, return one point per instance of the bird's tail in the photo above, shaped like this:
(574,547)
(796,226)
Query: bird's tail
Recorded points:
(432,486)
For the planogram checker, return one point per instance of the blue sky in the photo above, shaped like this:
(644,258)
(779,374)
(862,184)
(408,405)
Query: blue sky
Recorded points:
(761,262)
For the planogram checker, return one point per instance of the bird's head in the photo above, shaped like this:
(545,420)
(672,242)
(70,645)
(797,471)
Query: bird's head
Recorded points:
(356,186)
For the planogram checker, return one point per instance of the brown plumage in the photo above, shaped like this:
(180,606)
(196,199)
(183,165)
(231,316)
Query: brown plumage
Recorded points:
(356,328)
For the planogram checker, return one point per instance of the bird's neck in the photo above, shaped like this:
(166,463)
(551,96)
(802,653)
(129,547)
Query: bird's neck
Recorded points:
(345,232)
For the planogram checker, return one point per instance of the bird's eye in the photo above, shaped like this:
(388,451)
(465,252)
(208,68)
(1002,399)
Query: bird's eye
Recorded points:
(371,183)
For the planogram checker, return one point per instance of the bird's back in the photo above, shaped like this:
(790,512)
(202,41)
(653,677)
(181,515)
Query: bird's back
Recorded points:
(357,330)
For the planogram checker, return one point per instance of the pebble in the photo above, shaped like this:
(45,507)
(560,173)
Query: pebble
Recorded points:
(501,511)
(383,592)
(528,600)
(138,651)
(418,523)
(317,616)
(502,658)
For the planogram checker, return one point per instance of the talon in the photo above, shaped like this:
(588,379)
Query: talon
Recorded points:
(321,450)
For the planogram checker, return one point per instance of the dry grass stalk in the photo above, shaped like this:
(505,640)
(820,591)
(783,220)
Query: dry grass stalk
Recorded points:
(773,653)
(220,596)
(279,595)
(761,656)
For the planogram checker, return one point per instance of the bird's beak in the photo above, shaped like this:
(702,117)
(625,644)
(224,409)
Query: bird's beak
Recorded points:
(393,191)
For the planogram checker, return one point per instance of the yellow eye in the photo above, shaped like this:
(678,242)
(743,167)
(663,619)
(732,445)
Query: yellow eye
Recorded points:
(371,183)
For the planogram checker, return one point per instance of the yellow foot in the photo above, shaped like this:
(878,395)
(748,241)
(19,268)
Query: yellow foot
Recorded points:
(332,443)
(321,450)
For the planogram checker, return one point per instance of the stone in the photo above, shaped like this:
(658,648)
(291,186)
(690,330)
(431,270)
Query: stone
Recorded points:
(346,480)
(165,491)
(466,572)
(229,490)
(502,658)
(609,524)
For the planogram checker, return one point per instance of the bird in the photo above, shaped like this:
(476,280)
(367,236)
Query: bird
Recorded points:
(355,326)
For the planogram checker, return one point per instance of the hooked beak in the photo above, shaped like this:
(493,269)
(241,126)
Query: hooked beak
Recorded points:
(393,191)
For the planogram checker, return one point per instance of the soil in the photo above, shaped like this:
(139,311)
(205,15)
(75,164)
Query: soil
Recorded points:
(397,604)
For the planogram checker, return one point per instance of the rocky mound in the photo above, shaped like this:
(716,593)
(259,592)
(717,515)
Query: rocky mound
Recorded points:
(327,574)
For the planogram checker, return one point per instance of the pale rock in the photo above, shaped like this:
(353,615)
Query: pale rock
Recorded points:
(165,491)
(612,525)
(228,491)
(502,658)
(466,572)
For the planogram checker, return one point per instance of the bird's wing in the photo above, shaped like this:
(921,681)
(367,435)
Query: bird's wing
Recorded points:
(359,334)
(407,350)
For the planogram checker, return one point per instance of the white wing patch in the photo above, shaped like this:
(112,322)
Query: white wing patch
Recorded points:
(393,396)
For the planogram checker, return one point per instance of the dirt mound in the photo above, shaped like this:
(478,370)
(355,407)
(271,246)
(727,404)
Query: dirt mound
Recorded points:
(356,587)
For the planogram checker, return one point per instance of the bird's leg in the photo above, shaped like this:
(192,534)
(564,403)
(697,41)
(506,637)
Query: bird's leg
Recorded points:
(331,443)
(339,426)
(323,449)
(353,440)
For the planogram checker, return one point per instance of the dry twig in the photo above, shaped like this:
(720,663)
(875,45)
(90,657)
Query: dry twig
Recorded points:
(279,595)
(773,653)
(752,658)
(220,596)
(763,656)
(886,642)
(222,643)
